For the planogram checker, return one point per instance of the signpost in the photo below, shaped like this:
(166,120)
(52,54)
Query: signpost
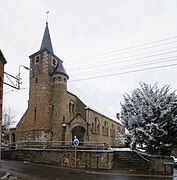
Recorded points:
(75,143)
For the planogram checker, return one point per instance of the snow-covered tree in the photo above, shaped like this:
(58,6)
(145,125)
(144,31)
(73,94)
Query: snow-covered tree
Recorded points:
(150,116)
(7,121)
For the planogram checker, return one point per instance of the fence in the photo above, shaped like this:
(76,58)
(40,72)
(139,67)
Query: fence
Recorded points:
(58,145)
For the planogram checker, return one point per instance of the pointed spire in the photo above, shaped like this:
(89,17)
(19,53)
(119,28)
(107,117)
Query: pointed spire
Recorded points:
(46,41)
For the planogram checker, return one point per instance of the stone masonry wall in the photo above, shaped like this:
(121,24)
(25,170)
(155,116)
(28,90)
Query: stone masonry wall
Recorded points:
(63,158)
(128,162)
(100,136)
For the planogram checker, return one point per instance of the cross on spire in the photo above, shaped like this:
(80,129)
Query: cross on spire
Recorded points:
(46,41)
(47,16)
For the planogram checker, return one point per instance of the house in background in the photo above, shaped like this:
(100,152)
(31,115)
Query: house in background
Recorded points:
(2,63)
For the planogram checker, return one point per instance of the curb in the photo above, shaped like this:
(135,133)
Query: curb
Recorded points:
(124,174)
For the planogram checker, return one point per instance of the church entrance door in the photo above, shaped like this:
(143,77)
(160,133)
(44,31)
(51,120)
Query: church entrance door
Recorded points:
(79,132)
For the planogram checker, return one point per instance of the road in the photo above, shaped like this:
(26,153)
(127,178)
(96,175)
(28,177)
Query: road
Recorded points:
(31,171)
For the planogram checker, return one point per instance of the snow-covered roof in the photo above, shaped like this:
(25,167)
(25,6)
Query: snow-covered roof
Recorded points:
(93,105)
(104,114)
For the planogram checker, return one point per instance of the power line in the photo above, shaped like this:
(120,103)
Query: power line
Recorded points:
(152,62)
(115,74)
(120,60)
(131,47)
(112,60)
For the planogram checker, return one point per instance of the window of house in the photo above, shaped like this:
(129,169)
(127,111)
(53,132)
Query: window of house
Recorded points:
(37,60)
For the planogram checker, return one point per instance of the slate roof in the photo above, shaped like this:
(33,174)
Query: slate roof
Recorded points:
(46,41)
(60,69)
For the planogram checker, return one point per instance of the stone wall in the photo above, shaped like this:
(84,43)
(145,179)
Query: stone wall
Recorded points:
(64,158)
(107,134)
(136,163)
(119,161)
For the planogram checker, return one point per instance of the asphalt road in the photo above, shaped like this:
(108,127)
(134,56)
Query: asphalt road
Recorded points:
(31,171)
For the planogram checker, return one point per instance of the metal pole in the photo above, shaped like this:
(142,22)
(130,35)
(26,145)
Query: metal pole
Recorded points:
(75,157)
(19,79)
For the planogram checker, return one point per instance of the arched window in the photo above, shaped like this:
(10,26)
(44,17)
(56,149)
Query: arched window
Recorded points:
(92,128)
(95,125)
(72,106)
(112,131)
(95,122)
(73,109)
(105,128)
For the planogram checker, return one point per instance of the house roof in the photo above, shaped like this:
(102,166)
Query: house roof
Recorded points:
(2,58)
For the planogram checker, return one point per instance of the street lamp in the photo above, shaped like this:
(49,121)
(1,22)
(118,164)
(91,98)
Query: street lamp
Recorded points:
(18,77)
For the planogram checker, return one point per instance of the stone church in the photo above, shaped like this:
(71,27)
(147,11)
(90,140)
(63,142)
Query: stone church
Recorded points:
(54,113)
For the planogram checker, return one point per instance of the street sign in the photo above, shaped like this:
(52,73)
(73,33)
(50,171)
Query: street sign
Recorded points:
(75,142)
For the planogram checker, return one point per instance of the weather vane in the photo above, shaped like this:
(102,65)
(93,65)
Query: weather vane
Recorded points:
(47,16)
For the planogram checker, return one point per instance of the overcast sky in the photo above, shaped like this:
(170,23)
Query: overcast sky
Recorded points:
(87,28)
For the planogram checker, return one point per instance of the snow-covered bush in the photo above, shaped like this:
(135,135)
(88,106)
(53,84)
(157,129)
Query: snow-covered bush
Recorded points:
(150,116)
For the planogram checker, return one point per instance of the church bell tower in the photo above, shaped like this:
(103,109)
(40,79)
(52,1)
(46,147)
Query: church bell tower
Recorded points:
(47,71)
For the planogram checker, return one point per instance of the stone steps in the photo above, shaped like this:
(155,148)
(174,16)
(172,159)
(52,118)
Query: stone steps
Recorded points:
(129,161)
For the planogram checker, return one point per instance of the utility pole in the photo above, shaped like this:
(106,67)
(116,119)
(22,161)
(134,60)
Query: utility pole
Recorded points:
(13,82)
